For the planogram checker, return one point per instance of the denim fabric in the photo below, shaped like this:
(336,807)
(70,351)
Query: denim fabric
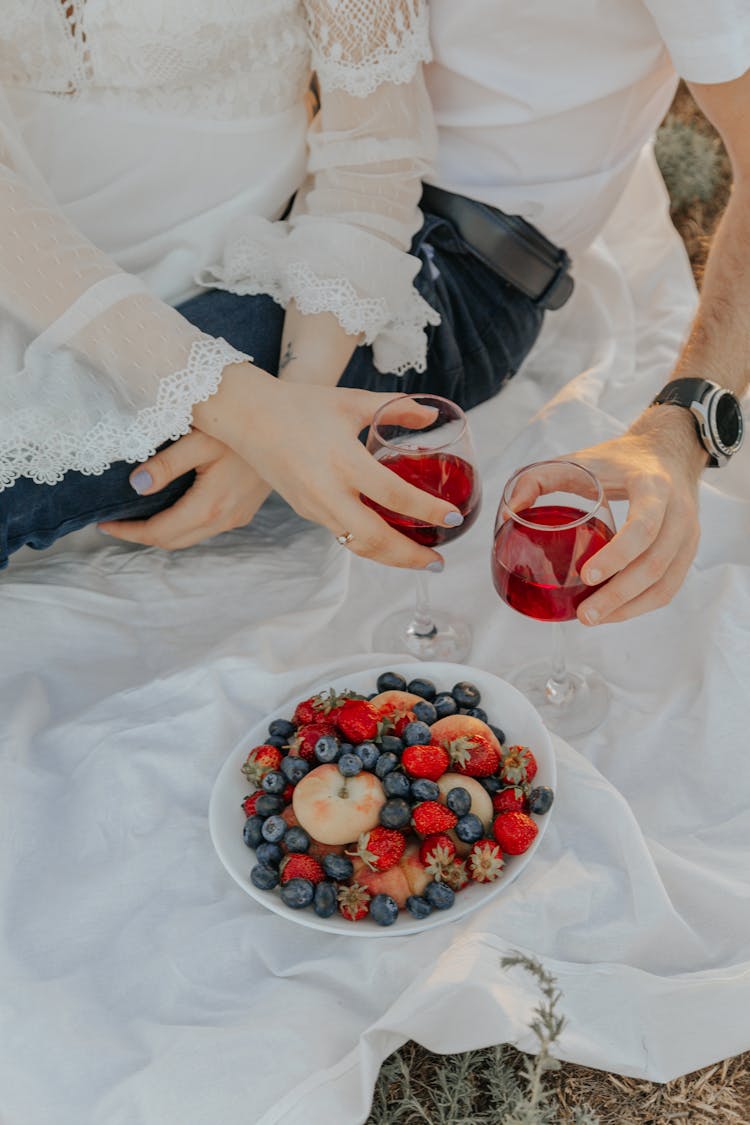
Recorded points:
(486,331)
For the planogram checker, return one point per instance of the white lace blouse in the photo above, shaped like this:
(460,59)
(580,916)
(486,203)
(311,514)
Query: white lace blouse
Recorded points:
(146,147)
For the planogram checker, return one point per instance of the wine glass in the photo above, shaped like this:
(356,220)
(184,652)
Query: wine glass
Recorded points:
(435,453)
(553,516)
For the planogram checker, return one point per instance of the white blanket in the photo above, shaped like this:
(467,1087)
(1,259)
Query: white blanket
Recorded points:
(140,986)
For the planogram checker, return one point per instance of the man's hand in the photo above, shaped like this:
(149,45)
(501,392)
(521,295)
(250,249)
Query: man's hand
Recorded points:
(655,466)
(226,494)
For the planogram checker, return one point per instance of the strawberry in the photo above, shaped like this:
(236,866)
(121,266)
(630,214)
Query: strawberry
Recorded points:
(514,832)
(249,803)
(485,861)
(436,853)
(356,720)
(429,761)
(303,743)
(354,901)
(301,866)
(288,793)
(511,799)
(474,755)
(455,875)
(260,761)
(429,818)
(519,765)
(381,848)
(321,706)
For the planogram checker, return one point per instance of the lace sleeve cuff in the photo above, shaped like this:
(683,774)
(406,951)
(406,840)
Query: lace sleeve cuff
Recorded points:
(44,435)
(366,283)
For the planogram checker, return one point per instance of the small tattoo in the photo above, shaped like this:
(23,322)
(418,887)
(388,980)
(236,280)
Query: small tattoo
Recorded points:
(287,357)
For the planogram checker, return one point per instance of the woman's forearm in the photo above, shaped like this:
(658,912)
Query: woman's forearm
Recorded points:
(314,348)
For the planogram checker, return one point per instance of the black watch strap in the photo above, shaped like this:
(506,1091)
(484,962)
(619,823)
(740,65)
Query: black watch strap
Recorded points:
(683,392)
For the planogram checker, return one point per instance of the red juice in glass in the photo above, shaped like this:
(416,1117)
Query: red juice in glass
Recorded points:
(441,474)
(537,570)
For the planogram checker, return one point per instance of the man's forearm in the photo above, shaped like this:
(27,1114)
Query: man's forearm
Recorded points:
(718,347)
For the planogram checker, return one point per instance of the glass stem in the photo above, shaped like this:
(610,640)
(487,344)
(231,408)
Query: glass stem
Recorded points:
(422,624)
(560,685)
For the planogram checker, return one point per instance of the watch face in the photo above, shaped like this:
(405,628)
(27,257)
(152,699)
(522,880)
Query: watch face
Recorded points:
(727,419)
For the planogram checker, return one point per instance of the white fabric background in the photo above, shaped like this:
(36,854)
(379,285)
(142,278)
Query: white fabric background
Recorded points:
(139,986)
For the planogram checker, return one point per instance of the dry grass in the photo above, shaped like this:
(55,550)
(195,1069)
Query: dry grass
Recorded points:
(719,1094)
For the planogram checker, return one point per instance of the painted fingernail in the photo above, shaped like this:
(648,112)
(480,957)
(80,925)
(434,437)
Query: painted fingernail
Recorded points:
(453,519)
(592,577)
(591,615)
(141,481)
(436,566)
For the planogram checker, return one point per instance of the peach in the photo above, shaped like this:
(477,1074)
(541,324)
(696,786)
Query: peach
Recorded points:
(408,877)
(336,809)
(481,803)
(316,849)
(461,726)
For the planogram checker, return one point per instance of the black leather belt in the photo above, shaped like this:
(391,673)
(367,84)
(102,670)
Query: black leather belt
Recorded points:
(510,246)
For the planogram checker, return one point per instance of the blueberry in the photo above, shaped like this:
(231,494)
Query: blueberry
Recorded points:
(439,895)
(391,744)
(274,782)
(337,867)
(476,713)
(385,763)
(498,733)
(493,785)
(296,839)
(273,829)
(294,769)
(466,694)
(418,907)
(469,828)
(391,681)
(444,704)
(368,753)
(251,833)
(346,748)
(275,740)
(417,734)
(458,800)
(325,900)
(297,893)
(268,804)
(395,813)
(383,910)
(269,854)
(424,688)
(425,790)
(349,765)
(425,712)
(264,877)
(327,748)
(396,784)
(540,799)
(281,728)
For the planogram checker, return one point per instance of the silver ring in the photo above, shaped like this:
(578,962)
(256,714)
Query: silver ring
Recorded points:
(344,538)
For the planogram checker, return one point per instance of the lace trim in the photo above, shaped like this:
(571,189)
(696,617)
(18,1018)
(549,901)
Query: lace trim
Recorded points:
(396,62)
(372,317)
(116,436)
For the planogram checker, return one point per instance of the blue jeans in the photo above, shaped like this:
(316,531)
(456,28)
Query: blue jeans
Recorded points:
(486,331)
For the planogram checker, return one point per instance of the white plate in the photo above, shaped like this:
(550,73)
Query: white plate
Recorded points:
(506,708)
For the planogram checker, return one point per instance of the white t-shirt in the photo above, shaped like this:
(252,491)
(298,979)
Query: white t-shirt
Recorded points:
(543,106)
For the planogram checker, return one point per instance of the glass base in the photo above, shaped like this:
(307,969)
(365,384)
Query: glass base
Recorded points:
(449,640)
(569,707)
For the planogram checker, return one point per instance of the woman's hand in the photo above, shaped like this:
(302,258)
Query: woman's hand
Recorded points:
(655,467)
(303,440)
(226,494)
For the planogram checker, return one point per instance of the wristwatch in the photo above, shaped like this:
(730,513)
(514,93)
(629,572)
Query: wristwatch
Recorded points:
(717,413)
